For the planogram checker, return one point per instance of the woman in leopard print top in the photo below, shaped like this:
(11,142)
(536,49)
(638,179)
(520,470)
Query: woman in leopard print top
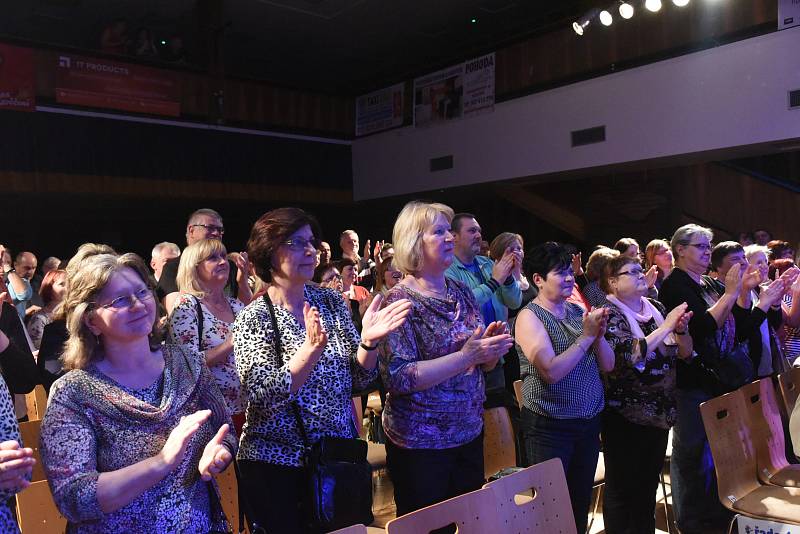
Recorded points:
(321,361)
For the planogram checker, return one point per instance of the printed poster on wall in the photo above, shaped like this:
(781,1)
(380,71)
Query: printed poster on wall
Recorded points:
(460,91)
(380,110)
(17,78)
(102,83)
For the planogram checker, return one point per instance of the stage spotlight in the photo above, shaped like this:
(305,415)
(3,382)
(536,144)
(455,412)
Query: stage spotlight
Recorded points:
(680,3)
(605,18)
(625,10)
(652,5)
(580,25)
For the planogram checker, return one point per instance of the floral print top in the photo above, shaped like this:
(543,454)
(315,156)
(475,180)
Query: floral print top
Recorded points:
(95,425)
(183,330)
(270,433)
(641,388)
(450,413)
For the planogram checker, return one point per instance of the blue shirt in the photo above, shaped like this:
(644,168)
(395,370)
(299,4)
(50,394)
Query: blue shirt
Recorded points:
(487,308)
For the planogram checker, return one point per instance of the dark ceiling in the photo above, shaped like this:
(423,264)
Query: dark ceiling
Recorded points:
(337,46)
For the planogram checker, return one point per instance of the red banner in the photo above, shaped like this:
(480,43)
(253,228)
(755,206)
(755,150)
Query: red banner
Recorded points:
(102,83)
(17,78)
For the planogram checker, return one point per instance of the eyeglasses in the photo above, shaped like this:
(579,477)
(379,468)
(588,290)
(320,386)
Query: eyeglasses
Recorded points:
(635,273)
(298,243)
(397,275)
(702,247)
(212,228)
(126,301)
(331,278)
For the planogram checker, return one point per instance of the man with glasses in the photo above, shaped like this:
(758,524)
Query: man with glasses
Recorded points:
(204,223)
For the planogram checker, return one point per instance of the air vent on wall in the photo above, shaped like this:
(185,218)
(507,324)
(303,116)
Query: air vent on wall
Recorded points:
(441,164)
(794,99)
(588,136)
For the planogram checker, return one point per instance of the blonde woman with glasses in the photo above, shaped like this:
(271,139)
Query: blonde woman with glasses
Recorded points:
(203,316)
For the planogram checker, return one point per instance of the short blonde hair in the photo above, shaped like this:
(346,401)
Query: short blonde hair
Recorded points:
(86,279)
(190,259)
(414,218)
(752,250)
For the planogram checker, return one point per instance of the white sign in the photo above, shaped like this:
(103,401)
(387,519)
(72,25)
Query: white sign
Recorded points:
(788,13)
(380,110)
(748,525)
(458,91)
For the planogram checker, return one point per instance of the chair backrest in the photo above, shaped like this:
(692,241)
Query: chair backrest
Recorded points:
(499,445)
(37,512)
(229,496)
(36,403)
(352,529)
(766,427)
(518,393)
(31,433)
(546,509)
(731,446)
(472,513)
(790,387)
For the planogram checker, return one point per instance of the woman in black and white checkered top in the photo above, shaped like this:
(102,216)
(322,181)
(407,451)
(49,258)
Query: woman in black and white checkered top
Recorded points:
(562,351)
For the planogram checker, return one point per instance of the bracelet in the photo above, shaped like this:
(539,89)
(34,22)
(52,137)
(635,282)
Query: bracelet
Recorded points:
(367,347)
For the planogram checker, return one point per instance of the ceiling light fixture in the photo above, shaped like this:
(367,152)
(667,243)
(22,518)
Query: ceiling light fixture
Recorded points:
(652,5)
(580,25)
(625,10)
(680,3)
(605,18)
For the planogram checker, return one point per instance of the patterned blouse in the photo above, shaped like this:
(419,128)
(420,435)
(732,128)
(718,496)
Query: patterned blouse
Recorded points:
(94,425)
(183,330)
(450,413)
(36,326)
(270,433)
(579,395)
(9,430)
(640,389)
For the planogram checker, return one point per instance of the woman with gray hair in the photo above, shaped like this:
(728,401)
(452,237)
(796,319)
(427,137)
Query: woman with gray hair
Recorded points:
(135,432)
(434,405)
(716,327)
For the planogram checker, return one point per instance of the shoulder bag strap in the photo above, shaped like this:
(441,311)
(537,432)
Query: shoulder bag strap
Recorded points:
(199,310)
(276,336)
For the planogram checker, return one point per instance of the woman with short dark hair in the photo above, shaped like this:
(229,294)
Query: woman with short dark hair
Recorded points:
(562,351)
(321,361)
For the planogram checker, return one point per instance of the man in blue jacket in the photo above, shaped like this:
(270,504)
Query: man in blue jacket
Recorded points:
(492,284)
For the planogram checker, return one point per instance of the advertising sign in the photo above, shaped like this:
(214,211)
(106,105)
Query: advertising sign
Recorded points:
(17,78)
(380,110)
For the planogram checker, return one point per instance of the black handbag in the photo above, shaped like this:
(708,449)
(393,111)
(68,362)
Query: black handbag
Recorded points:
(339,477)
(730,369)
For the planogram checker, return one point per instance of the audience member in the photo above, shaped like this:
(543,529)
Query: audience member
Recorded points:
(114,39)
(628,246)
(492,283)
(299,356)
(433,413)
(52,291)
(562,351)
(386,276)
(348,241)
(143,45)
(18,365)
(717,327)
(324,253)
(358,296)
(595,267)
(766,318)
(18,282)
(515,242)
(50,264)
(761,237)
(134,433)
(745,238)
(205,223)
(162,253)
(16,461)
(640,394)
(659,254)
(327,275)
(779,250)
(5,260)
(202,318)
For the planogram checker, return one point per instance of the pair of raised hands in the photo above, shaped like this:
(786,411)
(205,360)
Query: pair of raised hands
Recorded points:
(376,323)
(216,456)
(485,346)
(511,262)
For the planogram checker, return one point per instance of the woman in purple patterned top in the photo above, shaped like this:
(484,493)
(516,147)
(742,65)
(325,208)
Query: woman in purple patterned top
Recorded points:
(434,405)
